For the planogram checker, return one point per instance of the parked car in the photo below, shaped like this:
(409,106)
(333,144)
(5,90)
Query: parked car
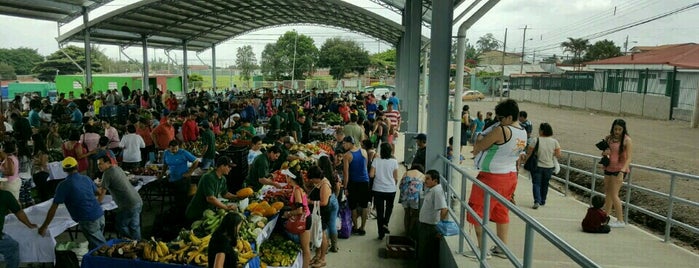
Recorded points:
(472,95)
(379,90)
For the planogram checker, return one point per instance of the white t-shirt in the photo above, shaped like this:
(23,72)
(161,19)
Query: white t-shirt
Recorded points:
(251,156)
(547,146)
(383,178)
(132,144)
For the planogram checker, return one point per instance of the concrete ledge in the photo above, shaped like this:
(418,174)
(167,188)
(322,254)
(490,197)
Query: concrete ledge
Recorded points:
(593,100)
(611,102)
(657,107)
(578,99)
(566,98)
(554,98)
(632,103)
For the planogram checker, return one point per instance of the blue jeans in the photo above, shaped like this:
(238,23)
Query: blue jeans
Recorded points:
(334,208)
(206,163)
(93,232)
(9,249)
(128,222)
(540,184)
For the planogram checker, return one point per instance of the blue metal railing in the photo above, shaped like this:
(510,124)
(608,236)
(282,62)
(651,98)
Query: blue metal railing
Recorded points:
(631,186)
(532,225)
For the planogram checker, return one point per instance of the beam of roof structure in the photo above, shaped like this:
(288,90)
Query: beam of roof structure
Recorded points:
(62,11)
(204,23)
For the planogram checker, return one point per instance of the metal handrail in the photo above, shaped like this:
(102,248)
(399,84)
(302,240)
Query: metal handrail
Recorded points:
(532,225)
(671,198)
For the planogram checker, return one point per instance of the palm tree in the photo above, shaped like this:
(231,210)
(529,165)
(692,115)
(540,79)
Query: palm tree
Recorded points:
(577,46)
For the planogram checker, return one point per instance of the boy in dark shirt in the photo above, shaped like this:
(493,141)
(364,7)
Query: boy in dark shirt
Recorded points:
(596,219)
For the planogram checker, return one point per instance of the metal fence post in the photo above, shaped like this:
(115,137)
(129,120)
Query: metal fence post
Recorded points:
(628,196)
(486,218)
(671,202)
(567,175)
(462,217)
(594,179)
(528,246)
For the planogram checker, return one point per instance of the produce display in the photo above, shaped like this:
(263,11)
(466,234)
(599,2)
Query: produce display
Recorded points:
(209,222)
(278,251)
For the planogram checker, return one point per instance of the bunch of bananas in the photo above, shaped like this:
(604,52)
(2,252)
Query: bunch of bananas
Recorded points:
(210,222)
(187,250)
(156,251)
(244,251)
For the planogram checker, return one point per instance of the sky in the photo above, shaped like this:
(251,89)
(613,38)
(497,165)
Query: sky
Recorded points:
(548,22)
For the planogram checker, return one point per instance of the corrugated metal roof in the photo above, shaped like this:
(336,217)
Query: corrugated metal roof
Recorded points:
(682,56)
(204,23)
(62,11)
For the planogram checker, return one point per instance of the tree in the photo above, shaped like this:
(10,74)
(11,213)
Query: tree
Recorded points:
(383,63)
(487,43)
(196,80)
(21,59)
(471,54)
(269,63)
(343,56)
(551,59)
(58,63)
(7,72)
(245,61)
(577,46)
(602,50)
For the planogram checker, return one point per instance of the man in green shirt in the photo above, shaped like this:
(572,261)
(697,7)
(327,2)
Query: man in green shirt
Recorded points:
(9,248)
(260,169)
(209,140)
(275,125)
(246,130)
(211,186)
(296,129)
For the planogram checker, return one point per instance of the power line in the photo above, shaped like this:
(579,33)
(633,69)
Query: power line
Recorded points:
(627,26)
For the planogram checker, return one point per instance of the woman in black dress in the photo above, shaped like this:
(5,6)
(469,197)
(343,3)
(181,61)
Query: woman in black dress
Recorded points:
(223,240)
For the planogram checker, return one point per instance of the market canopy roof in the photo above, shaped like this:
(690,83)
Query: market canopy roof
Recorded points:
(399,5)
(204,23)
(62,11)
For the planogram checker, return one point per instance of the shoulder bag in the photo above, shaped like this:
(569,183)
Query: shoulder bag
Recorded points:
(531,163)
(296,224)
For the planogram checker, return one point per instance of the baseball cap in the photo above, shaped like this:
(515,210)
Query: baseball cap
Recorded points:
(69,162)
(349,139)
(236,115)
(421,137)
(224,160)
(204,124)
(289,139)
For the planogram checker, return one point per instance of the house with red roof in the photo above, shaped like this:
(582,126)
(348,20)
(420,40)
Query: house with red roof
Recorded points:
(667,70)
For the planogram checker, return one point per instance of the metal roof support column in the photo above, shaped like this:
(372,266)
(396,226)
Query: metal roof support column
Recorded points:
(411,80)
(184,68)
(88,50)
(146,72)
(400,61)
(213,67)
(440,37)
(460,58)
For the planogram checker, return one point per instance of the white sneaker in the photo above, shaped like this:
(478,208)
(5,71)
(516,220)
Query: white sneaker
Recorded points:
(473,255)
(617,224)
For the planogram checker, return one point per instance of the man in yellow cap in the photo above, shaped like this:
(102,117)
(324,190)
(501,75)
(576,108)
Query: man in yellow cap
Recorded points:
(80,195)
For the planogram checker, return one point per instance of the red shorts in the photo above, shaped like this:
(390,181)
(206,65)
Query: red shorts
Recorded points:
(504,184)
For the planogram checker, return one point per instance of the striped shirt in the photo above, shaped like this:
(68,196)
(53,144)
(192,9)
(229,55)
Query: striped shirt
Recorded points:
(393,116)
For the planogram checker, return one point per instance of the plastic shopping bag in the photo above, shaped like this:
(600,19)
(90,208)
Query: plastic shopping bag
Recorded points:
(447,228)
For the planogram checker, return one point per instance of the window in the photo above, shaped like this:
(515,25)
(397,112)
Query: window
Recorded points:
(662,81)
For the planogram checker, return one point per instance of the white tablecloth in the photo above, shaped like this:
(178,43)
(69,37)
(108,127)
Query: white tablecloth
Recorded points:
(35,248)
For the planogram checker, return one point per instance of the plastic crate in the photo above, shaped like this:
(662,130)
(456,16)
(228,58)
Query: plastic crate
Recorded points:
(400,247)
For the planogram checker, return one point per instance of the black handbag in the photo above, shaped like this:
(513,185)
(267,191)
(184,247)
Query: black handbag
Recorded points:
(602,145)
(533,159)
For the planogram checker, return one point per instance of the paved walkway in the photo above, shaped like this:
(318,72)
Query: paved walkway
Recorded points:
(623,247)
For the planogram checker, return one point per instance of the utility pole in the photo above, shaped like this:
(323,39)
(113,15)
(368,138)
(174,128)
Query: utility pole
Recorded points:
(626,45)
(534,56)
(524,39)
(293,64)
(502,66)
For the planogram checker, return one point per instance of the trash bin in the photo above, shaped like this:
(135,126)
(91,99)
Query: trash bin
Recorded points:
(236,177)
